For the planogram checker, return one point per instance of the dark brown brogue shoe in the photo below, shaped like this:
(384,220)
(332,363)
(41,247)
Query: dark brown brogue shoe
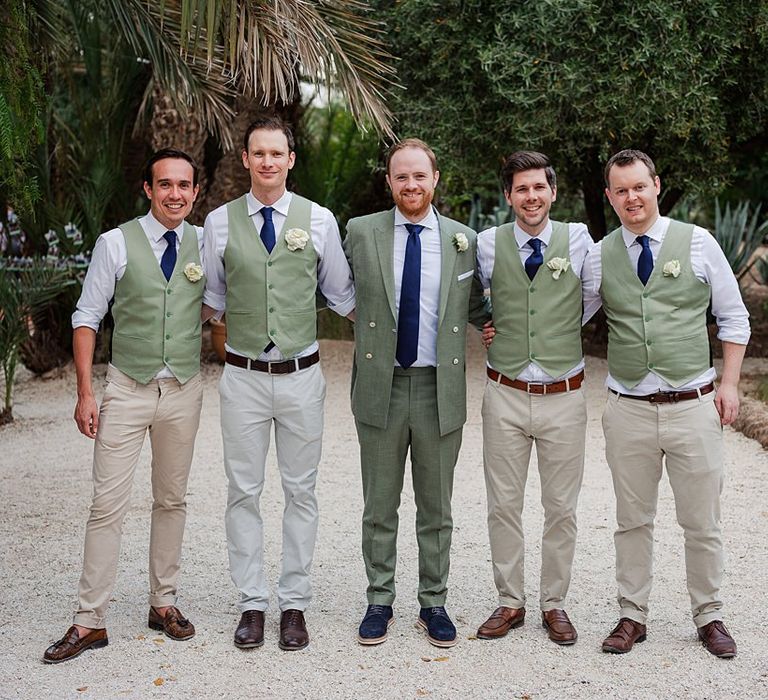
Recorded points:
(717,640)
(559,627)
(72,645)
(624,636)
(293,631)
(250,630)
(173,625)
(500,622)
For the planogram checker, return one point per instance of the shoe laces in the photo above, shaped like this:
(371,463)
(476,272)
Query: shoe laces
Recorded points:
(378,610)
(251,615)
(292,618)
(438,612)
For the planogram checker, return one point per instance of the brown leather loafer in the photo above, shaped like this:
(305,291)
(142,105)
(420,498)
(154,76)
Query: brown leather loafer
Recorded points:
(717,640)
(72,645)
(250,630)
(559,627)
(174,624)
(624,636)
(500,622)
(293,631)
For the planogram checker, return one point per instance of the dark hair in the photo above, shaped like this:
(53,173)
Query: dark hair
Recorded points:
(271,122)
(627,157)
(520,161)
(164,153)
(412,143)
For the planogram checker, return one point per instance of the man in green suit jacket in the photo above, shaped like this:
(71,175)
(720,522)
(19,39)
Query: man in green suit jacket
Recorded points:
(415,282)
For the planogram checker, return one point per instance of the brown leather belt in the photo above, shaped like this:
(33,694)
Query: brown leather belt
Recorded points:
(283,367)
(569,384)
(670,396)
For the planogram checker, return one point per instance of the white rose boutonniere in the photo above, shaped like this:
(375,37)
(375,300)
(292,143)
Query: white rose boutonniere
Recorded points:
(296,238)
(671,268)
(460,241)
(193,272)
(558,266)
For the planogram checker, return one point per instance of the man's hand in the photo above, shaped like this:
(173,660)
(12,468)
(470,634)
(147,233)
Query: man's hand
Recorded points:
(488,332)
(727,403)
(87,415)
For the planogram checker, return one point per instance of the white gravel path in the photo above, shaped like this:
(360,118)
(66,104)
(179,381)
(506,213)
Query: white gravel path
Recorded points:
(44,494)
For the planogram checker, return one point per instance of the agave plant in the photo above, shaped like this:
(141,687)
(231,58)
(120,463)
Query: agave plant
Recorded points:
(24,296)
(739,235)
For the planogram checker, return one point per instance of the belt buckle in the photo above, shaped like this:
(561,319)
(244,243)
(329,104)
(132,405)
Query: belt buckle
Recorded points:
(269,368)
(542,386)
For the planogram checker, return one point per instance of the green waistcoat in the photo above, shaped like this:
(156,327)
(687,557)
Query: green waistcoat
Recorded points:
(536,320)
(660,327)
(270,297)
(157,322)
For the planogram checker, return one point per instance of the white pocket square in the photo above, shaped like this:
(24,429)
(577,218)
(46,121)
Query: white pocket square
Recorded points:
(464,275)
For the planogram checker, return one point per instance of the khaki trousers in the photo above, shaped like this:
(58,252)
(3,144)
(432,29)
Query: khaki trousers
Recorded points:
(513,421)
(251,402)
(171,413)
(687,437)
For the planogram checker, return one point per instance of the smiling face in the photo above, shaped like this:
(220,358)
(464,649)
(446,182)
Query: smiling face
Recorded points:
(531,199)
(633,194)
(268,160)
(412,181)
(172,192)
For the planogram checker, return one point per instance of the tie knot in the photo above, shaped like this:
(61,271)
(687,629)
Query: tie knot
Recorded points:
(644,241)
(535,243)
(170,236)
(414,229)
(266,212)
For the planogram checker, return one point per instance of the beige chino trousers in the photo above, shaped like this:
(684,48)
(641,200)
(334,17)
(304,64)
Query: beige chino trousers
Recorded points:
(171,413)
(513,421)
(688,438)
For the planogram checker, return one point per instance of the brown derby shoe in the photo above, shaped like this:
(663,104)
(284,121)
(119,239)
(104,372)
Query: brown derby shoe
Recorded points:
(623,637)
(72,645)
(500,622)
(250,630)
(173,625)
(293,631)
(559,627)
(717,640)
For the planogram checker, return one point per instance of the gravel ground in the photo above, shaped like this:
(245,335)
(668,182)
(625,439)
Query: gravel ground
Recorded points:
(45,478)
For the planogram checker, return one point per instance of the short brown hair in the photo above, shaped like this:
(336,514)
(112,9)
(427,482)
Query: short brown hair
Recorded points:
(412,143)
(164,153)
(520,161)
(627,157)
(271,122)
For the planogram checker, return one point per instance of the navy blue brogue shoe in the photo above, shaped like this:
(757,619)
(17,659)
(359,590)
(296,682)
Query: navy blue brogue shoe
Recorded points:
(441,632)
(375,624)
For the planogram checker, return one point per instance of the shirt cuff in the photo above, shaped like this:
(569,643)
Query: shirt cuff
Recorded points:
(80,319)
(344,307)
(218,302)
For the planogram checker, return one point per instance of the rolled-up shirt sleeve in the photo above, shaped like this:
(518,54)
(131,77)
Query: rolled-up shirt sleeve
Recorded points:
(100,280)
(334,278)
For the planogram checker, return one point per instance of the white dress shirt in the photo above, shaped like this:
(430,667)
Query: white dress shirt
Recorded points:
(579,244)
(107,266)
(333,274)
(709,265)
(429,299)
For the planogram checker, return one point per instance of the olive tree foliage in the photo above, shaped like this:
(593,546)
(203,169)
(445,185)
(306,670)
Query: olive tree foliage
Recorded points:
(684,80)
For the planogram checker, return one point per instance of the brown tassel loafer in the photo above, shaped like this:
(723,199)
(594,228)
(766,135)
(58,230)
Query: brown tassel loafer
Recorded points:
(174,624)
(72,645)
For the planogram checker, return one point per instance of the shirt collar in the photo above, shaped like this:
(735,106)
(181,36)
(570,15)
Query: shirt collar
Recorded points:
(429,221)
(155,230)
(522,237)
(280,206)
(655,233)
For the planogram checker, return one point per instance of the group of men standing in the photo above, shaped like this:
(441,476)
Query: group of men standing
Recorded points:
(411,279)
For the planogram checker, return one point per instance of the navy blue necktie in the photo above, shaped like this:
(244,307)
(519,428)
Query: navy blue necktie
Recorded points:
(534,260)
(410,297)
(645,261)
(268,229)
(168,261)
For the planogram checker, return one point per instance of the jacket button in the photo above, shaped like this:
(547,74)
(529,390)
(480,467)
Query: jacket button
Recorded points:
(368,356)
(532,312)
(455,360)
(372,324)
(271,309)
(455,329)
(167,336)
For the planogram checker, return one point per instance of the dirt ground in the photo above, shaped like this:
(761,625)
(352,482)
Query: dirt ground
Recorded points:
(45,485)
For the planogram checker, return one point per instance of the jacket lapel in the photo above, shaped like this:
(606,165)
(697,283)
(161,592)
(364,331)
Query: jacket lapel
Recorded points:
(449,255)
(384,235)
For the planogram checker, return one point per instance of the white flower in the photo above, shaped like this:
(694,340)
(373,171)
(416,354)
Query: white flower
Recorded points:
(296,238)
(460,241)
(193,271)
(671,268)
(558,266)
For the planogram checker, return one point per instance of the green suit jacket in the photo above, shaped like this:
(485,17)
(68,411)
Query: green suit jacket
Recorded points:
(369,246)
